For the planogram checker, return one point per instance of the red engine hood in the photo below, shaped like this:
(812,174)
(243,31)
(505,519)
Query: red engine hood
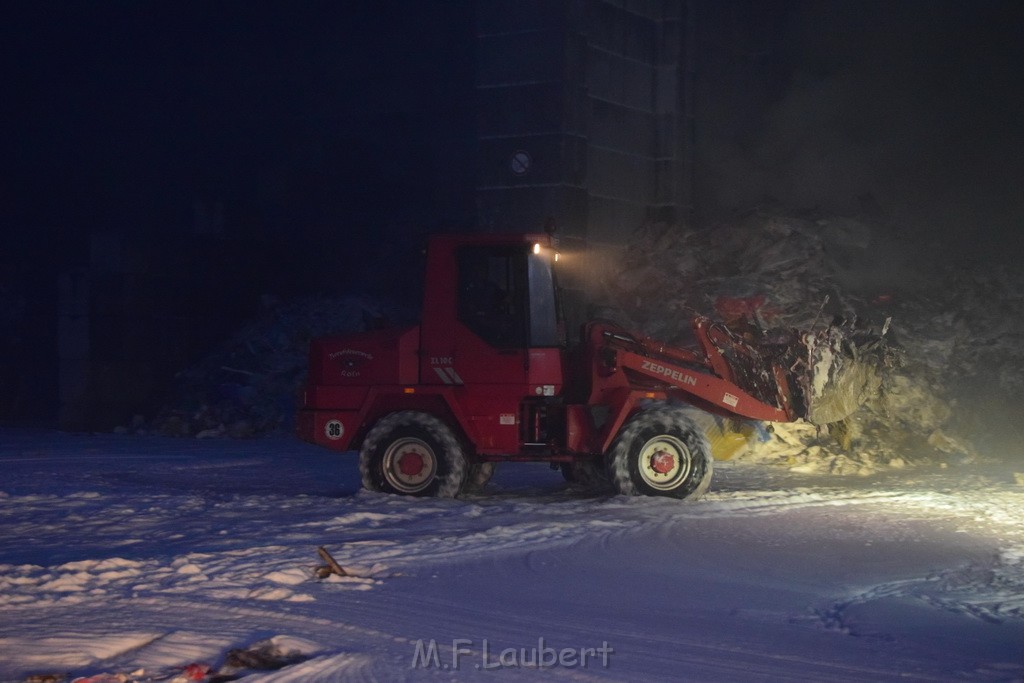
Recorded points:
(379,357)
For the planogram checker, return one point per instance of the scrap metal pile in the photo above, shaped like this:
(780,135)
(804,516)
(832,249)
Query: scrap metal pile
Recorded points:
(893,337)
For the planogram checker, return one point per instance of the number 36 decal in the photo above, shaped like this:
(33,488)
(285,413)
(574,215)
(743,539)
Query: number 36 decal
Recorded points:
(334,430)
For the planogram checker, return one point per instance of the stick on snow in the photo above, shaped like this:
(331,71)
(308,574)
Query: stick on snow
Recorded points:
(332,566)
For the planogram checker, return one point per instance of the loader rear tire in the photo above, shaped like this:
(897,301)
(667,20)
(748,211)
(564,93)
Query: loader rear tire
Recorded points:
(661,452)
(413,453)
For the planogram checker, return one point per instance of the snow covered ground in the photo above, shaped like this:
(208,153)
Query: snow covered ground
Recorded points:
(142,555)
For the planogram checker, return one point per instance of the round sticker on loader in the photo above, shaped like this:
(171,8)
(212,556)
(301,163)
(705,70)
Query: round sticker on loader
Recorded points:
(334,430)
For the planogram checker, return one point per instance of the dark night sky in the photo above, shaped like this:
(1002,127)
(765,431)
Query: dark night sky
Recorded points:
(920,103)
(294,115)
(306,116)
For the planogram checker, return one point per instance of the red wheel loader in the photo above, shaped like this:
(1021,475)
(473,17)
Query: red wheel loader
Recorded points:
(489,376)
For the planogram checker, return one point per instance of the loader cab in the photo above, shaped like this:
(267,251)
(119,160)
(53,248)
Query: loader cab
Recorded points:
(507,296)
(491,314)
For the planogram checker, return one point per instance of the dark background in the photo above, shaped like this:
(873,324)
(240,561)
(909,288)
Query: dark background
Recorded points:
(302,120)
(919,103)
(232,150)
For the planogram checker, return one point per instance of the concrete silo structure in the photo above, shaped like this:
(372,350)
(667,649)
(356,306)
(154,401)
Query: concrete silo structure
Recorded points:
(584,115)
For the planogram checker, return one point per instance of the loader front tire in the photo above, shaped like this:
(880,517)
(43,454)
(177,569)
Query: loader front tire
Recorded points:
(661,452)
(413,453)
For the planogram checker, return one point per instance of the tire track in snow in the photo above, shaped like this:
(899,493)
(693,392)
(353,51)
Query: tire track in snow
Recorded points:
(374,529)
(371,530)
(991,590)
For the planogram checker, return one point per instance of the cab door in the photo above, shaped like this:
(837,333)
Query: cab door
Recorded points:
(477,336)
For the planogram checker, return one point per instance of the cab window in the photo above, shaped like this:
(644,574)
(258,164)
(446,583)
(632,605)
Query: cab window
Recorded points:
(492,299)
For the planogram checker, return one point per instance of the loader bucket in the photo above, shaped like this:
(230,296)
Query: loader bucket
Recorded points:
(727,438)
(730,443)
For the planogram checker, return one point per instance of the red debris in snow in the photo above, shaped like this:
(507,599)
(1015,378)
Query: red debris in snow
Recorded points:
(196,671)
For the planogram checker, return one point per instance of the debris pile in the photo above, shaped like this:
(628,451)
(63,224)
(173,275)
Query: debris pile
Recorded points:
(251,385)
(956,327)
(264,656)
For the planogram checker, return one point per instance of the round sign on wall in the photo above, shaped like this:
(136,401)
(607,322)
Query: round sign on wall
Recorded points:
(520,162)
